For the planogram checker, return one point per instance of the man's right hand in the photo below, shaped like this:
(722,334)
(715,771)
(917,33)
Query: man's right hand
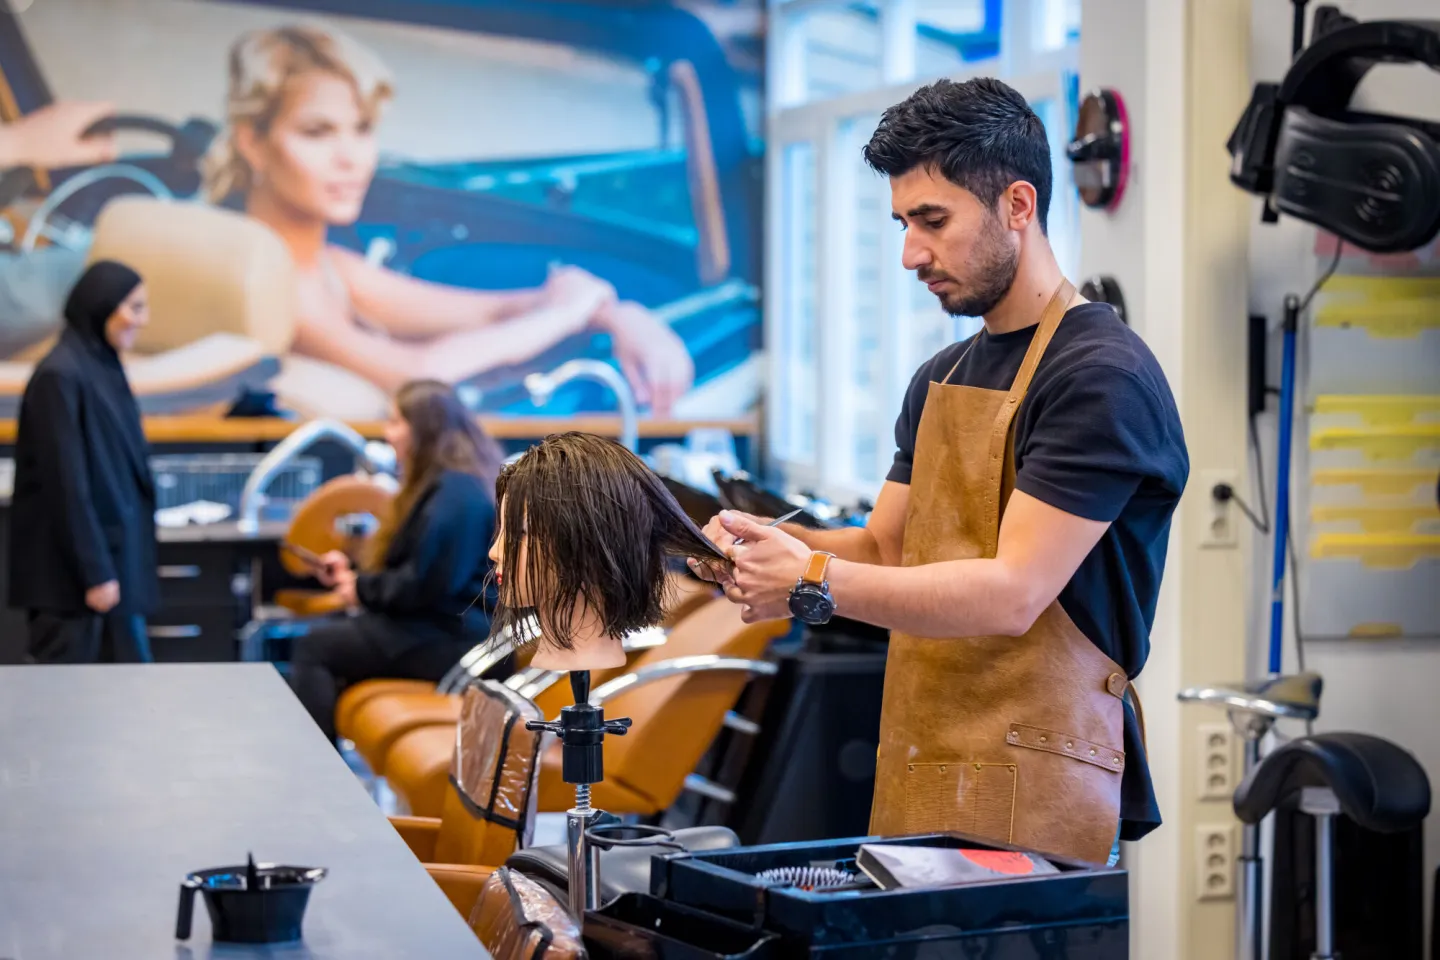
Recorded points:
(724,539)
(103,599)
(53,137)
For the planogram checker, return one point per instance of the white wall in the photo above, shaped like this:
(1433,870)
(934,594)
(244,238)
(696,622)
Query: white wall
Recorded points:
(1385,688)
(1178,246)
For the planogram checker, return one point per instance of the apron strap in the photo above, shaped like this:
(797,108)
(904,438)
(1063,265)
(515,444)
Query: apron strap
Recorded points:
(1120,687)
(1134,698)
(1049,322)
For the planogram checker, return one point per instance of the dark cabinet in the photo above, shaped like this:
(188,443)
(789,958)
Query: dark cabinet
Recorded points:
(204,601)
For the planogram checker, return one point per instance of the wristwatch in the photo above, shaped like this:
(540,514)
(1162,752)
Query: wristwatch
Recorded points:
(810,600)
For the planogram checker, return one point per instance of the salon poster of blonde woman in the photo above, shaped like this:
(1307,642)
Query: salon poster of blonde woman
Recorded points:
(327,204)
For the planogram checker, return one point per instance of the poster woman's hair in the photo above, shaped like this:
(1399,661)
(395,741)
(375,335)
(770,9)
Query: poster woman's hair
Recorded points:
(597,526)
(263,65)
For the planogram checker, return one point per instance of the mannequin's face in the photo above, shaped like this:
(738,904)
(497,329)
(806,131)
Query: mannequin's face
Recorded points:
(504,569)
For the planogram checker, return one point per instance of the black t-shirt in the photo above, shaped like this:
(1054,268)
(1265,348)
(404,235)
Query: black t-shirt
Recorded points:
(1098,436)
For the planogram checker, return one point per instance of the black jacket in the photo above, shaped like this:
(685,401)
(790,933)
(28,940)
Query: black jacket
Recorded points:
(433,584)
(83,511)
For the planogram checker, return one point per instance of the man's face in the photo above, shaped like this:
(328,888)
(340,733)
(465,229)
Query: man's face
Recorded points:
(957,247)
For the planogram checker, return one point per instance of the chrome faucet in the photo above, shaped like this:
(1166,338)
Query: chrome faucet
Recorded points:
(252,497)
(542,387)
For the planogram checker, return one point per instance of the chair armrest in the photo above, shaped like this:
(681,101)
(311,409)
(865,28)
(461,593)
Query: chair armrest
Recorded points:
(679,666)
(644,639)
(419,834)
(478,661)
(533,681)
(461,882)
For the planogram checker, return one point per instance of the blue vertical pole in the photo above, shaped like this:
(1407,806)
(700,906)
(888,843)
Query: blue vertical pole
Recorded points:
(1282,482)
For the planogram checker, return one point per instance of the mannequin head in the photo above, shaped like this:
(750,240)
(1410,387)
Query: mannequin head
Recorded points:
(585,529)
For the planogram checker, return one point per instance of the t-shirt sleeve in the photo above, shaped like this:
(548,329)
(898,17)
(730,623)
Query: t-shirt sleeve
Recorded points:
(1097,434)
(907,425)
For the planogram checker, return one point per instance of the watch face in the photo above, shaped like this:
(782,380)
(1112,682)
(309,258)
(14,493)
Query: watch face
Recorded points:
(812,605)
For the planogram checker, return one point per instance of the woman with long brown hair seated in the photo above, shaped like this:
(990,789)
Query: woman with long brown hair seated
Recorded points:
(425,597)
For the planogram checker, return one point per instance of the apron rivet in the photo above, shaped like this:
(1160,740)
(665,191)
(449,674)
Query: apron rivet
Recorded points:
(977,766)
(1116,760)
(1069,746)
(1042,739)
(912,768)
(1092,753)
(942,768)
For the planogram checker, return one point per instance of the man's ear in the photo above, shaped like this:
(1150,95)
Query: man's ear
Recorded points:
(1018,205)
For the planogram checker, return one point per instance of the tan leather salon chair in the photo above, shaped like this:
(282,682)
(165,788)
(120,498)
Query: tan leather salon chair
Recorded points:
(317,525)
(221,290)
(517,919)
(677,695)
(489,810)
(375,714)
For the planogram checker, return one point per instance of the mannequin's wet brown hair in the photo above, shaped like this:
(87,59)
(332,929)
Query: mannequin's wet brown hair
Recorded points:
(598,526)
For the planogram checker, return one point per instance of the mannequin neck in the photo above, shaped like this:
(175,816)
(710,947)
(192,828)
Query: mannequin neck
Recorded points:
(592,649)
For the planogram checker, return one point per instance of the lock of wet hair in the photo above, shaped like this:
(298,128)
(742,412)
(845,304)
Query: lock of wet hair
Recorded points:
(587,529)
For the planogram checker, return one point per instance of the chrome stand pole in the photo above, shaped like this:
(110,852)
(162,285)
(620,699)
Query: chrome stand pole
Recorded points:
(584,856)
(582,729)
(1250,914)
(1322,804)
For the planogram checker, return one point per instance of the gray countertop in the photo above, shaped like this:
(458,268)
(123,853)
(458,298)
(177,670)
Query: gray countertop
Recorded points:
(115,781)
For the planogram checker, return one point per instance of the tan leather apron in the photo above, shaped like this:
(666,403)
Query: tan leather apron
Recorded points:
(1014,739)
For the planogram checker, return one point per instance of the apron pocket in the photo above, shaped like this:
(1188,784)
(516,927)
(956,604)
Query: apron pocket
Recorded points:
(1065,745)
(973,798)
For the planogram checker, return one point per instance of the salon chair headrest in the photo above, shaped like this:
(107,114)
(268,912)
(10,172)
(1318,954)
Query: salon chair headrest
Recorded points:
(207,271)
(622,869)
(1379,785)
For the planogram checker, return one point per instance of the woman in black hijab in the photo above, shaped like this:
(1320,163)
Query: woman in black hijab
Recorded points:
(82,535)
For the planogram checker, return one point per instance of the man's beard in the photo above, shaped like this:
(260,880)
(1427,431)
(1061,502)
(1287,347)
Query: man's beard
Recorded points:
(995,265)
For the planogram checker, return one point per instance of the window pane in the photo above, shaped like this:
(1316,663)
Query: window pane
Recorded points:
(1058,24)
(954,32)
(797,350)
(932,329)
(869,202)
(838,51)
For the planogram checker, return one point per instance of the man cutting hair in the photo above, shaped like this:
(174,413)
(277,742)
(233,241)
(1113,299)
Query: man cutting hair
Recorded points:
(1017,547)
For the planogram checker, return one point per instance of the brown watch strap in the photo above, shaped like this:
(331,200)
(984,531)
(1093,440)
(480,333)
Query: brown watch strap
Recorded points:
(815,569)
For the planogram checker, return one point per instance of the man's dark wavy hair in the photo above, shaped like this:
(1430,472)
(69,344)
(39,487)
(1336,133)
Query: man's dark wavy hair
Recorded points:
(980,135)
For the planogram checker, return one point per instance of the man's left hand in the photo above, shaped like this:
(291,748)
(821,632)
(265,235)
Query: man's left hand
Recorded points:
(767,565)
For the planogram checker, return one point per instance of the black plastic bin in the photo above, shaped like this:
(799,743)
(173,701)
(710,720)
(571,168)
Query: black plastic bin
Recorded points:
(635,926)
(1081,913)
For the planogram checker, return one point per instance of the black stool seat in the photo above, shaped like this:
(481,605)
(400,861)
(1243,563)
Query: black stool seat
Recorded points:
(1378,785)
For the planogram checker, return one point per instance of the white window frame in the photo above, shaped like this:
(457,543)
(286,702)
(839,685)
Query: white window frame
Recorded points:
(1038,75)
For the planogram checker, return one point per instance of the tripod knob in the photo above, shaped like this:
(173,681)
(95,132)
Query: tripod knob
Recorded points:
(618,726)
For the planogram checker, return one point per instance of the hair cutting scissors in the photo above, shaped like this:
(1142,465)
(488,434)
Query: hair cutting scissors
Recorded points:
(778,520)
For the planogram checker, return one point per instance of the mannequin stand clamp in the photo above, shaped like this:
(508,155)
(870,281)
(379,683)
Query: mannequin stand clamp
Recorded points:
(581,730)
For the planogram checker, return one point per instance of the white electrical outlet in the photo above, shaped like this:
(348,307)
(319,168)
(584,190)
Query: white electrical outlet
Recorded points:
(1217,761)
(1215,861)
(1221,519)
